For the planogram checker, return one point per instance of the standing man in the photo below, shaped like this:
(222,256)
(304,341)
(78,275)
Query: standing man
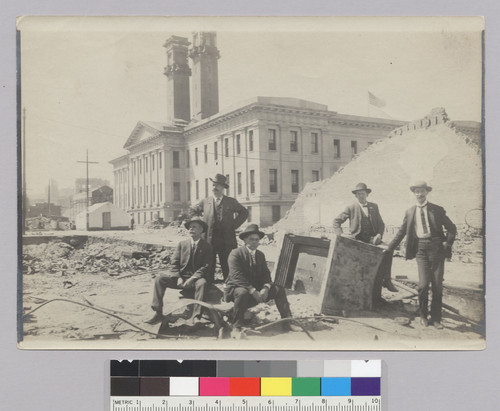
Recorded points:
(423,225)
(365,224)
(189,268)
(223,215)
(249,282)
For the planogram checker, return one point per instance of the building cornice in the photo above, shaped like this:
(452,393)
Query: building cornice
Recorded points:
(331,116)
(256,107)
(131,142)
(118,159)
(368,123)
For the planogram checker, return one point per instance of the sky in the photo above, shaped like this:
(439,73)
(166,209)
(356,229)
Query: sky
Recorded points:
(86,83)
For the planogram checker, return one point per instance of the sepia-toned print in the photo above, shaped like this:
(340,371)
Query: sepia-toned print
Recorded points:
(251,183)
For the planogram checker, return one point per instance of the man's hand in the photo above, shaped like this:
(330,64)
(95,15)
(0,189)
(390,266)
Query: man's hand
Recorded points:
(347,235)
(445,246)
(180,282)
(264,293)
(256,295)
(190,282)
(376,240)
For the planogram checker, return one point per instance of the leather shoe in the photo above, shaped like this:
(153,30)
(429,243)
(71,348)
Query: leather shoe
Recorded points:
(438,325)
(156,319)
(424,321)
(288,326)
(390,286)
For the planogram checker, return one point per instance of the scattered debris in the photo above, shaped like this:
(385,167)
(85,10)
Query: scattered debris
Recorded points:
(96,257)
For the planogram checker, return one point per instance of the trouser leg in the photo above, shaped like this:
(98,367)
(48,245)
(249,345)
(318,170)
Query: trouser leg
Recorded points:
(242,301)
(162,282)
(424,277)
(211,274)
(217,249)
(278,294)
(387,266)
(223,257)
(437,271)
(383,276)
(199,294)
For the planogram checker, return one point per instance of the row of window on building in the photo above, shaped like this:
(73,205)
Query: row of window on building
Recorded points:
(272,145)
(137,164)
(273,183)
(143,195)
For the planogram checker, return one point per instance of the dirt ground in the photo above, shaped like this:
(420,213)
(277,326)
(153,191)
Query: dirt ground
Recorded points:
(119,288)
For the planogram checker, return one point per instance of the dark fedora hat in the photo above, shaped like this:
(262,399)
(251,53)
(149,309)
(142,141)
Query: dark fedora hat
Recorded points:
(220,179)
(187,223)
(420,184)
(361,187)
(251,229)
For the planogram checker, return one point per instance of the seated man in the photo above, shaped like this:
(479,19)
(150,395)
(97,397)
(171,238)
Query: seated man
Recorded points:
(190,266)
(249,280)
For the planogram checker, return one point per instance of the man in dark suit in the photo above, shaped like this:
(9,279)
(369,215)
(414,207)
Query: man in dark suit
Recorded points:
(223,215)
(189,268)
(365,224)
(426,241)
(249,282)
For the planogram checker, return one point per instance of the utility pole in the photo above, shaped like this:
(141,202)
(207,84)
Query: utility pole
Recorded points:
(48,203)
(24,199)
(87,162)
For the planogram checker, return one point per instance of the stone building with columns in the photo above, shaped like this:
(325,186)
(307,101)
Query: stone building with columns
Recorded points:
(269,148)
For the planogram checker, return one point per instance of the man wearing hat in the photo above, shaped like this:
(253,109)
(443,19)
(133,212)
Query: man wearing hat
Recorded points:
(426,241)
(249,282)
(189,268)
(223,215)
(365,224)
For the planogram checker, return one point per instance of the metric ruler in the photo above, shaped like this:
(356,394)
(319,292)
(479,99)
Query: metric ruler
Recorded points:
(340,403)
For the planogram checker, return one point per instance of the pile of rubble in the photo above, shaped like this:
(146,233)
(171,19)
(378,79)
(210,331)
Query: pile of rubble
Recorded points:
(97,255)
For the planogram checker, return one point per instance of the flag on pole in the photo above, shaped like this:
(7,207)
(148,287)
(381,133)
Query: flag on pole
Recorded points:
(375,101)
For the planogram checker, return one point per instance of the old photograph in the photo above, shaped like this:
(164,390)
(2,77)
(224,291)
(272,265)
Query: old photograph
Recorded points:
(252,183)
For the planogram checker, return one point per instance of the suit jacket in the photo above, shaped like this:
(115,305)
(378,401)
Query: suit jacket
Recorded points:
(354,213)
(233,215)
(201,264)
(437,220)
(241,273)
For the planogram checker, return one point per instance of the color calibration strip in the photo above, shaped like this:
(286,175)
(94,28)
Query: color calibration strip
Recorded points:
(190,378)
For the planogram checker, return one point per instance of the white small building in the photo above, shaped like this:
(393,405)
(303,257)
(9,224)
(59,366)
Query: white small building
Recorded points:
(103,216)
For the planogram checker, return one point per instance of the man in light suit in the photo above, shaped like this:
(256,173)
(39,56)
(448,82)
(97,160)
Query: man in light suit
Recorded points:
(365,224)
(190,265)
(249,282)
(426,241)
(223,215)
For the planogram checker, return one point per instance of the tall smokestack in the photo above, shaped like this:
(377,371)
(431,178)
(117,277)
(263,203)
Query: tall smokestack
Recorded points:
(205,92)
(177,72)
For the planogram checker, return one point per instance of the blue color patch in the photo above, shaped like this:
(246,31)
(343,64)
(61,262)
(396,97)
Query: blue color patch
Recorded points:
(335,386)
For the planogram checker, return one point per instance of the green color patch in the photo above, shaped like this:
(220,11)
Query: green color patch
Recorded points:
(306,386)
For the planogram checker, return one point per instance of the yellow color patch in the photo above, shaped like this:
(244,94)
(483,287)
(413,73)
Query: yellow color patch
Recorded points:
(275,387)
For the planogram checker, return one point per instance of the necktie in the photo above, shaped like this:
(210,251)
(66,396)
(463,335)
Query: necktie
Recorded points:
(218,208)
(365,210)
(253,259)
(424,223)
(193,252)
